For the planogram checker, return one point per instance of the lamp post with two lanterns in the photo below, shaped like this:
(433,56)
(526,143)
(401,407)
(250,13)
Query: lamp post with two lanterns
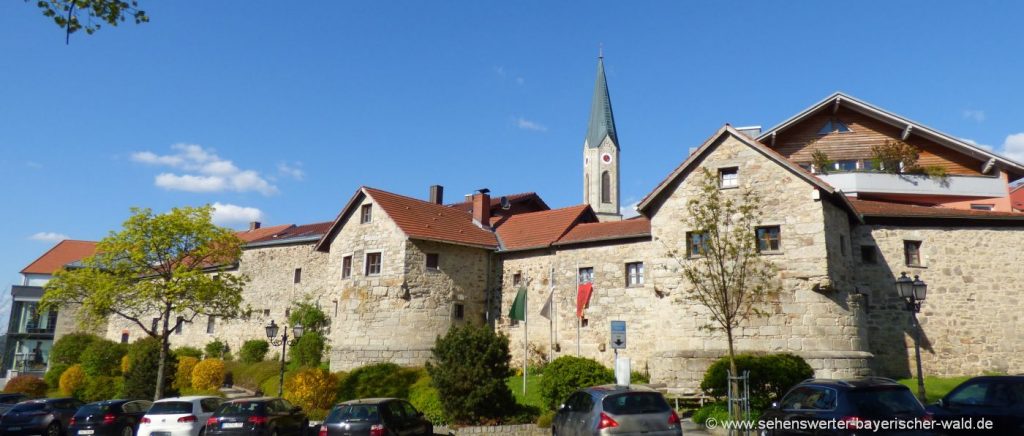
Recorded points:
(272,329)
(913,292)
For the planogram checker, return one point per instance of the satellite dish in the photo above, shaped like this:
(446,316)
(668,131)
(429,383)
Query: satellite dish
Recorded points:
(505,204)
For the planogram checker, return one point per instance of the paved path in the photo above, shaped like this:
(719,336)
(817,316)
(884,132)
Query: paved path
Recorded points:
(692,429)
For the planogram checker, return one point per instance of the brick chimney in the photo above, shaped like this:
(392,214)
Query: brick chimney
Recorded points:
(482,208)
(437,194)
(253,225)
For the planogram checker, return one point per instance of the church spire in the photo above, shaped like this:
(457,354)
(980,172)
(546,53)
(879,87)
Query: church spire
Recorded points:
(602,123)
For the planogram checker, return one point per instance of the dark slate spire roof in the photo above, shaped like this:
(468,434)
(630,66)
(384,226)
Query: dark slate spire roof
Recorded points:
(602,123)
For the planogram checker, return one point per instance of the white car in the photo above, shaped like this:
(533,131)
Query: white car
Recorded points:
(180,416)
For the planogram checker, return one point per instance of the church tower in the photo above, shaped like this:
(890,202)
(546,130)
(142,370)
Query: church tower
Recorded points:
(601,153)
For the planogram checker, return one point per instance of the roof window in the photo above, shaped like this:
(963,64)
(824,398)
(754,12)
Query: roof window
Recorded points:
(834,126)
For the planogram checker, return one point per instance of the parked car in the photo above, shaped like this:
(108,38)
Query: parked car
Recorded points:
(48,416)
(258,416)
(180,416)
(375,417)
(109,418)
(613,409)
(857,400)
(7,401)
(996,398)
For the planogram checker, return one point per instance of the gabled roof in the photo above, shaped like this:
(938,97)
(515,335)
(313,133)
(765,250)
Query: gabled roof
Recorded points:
(602,122)
(715,139)
(262,232)
(418,219)
(592,232)
(911,127)
(883,209)
(294,234)
(65,252)
(541,229)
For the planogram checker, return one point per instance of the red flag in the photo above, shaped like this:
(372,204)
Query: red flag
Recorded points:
(583,297)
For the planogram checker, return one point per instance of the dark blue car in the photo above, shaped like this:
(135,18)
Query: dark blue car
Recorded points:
(48,417)
(995,399)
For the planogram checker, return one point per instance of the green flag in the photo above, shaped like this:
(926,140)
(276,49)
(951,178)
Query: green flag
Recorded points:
(518,310)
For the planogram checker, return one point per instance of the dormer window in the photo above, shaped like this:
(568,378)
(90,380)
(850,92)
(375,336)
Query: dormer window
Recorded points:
(728,178)
(834,126)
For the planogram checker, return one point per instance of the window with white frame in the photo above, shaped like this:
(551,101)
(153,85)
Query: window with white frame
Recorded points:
(373,261)
(586,275)
(635,274)
(728,178)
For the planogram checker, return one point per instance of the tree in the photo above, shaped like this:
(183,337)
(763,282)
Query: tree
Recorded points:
(469,369)
(722,264)
(158,271)
(66,13)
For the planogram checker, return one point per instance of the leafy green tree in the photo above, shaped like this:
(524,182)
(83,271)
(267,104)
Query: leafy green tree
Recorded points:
(69,348)
(143,377)
(312,318)
(75,15)
(469,369)
(217,350)
(728,276)
(169,267)
(308,351)
(103,358)
(254,350)
(567,374)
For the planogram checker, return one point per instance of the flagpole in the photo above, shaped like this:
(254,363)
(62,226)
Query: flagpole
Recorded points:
(578,321)
(526,331)
(551,321)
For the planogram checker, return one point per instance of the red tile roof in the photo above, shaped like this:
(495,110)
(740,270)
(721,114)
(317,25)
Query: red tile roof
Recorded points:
(589,232)
(540,229)
(65,252)
(420,219)
(871,208)
(262,232)
(496,201)
(299,231)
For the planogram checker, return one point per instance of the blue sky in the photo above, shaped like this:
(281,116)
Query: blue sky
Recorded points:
(281,112)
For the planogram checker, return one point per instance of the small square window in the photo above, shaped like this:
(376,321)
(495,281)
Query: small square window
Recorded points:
(211,324)
(868,254)
(459,312)
(373,261)
(298,276)
(178,325)
(266,312)
(768,239)
(635,274)
(433,261)
(696,244)
(366,213)
(346,267)
(155,325)
(912,253)
(517,278)
(124,336)
(728,178)
(586,275)
(584,322)
(288,312)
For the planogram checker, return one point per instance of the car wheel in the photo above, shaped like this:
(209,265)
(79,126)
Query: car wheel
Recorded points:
(53,430)
(127,431)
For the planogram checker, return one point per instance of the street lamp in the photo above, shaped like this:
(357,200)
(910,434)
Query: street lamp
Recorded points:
(272,330)
(913,292)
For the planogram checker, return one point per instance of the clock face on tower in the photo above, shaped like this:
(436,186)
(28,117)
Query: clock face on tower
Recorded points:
(606,158)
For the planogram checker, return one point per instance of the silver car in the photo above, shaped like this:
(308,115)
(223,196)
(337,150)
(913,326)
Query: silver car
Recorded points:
(616,410)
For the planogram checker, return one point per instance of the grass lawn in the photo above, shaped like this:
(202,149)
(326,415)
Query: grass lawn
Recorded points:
(934,387)
(532,397)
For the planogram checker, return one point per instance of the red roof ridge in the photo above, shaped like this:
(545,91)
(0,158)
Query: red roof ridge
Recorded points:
(607,230)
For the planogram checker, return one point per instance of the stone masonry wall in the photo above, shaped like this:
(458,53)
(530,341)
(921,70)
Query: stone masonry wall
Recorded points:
(971,319)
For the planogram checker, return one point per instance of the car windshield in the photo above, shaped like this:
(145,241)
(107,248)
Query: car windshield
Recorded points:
(884,402)
(634,403)
(93,409)
(170,408)
(245,408)
(29,407)
(354,412)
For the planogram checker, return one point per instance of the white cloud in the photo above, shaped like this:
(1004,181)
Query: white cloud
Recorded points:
(974,114)
(1013,147)
(629,211)
(500,71)
(526,124)
(48,237)
(294,170)
(520,81)
(202,170)
(227,214)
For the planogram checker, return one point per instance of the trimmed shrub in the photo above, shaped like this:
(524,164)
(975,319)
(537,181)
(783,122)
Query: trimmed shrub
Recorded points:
(637,377)
(717,410)
(103,358)
(311,388)
(26,384)
(770,376)
(251,376)
(312,318)
(188,352)
(424,397)
(377,380)
(69,348)
(183,376)
(208,374)
(307,352)
(469,368)
(254,350)
(52,376)
(140,380)
(545,419)
(101,388)
(72,381)
(567,374)
(217,350)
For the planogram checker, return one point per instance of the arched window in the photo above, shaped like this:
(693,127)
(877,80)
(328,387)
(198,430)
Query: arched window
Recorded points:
(606,187)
